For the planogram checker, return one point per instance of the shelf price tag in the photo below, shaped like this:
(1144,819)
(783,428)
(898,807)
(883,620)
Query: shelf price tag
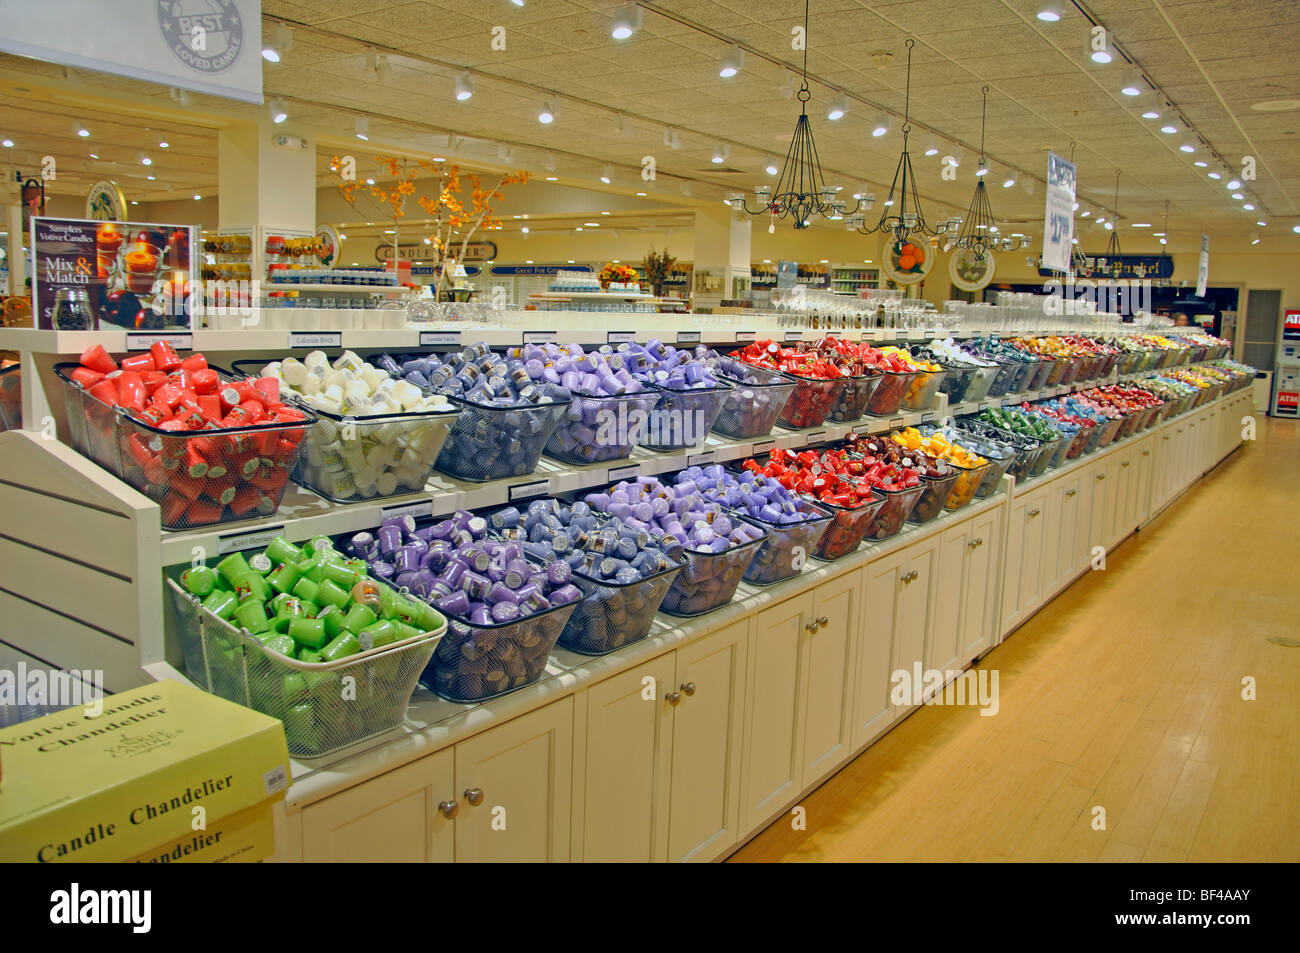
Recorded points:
(863,430)
(522,491)
(414,510)
(927,417)
(814,436)
(794,335)
(315,339)
(900,335)
(629,472)
(761,446)
(744,337)
(249,539)
(439,338)
(699,459)
(142,342)
(688,337)
(538,337)
(896,422)
(620,337)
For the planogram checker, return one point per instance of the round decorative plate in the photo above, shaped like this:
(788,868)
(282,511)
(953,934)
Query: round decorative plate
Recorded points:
(907,262)
(969,269)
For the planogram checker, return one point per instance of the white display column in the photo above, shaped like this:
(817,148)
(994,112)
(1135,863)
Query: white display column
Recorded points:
(721,256)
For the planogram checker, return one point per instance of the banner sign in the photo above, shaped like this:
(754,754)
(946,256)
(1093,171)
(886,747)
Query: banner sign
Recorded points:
(526,270)
(1203,268)
(1058,220)
(1130,266)
(210,46)
(134,275)
(474,251)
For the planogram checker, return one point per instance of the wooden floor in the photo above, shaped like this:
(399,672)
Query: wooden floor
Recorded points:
(1125,693)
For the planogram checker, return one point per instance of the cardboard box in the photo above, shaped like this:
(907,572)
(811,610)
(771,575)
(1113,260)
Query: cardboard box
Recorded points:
(140,774)
(243,838)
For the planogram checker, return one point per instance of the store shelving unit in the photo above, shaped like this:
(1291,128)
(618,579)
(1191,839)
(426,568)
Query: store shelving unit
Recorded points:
(851,279)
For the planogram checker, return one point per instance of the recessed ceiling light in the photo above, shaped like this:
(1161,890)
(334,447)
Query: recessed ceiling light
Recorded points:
(719,155)
(1151,114)
(607,174)
(1261,224)
(591,224)
(197,197)
(93,156)
(1233,184)
(1187,147)
(880,126)
(164,144)
(626,22)
(1169,130)
(151,178)
(1131,85)
(552,178)
(146,161)
(604,213)
(1214,175)
(770,167)
(83,132)
(1248,207)
(1296,229)
(370,181)
(732,62)
(1049,12)
(7,143)
(1109,226)
(1164,241)
(1084,214)
(641,194)
(362,127)
(1141,224)
(1158,234)
(464,86)
(134,202)
(1075,207)
(838,109)
(1201,164)
(546,115)
(1238,196)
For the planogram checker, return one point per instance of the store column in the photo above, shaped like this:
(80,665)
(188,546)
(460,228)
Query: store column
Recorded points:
(721,256)
(266,180)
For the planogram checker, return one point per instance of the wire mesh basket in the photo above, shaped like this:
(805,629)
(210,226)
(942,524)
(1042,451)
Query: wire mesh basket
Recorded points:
(11,397)
(197,477)
(490,443)
(325,706)
(811,401)
(853,398)
(476,662)
(709,580)
(848,527)
(595,429)
(788,545)
(612,615)
(893,511)
(751,409)
(889,396)
(683,418)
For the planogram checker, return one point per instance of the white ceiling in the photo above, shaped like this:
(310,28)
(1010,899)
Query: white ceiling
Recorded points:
(1213,59)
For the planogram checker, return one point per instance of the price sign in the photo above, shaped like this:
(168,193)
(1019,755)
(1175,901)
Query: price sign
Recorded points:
(863,430)
(761,447)
(1203,267)
(524,490)
(538,337)
(896,422)
(250,539)
(413,510)
(629,472)
(1058,216)
(815,436)
(315,339)
(699,459)
(794,335)
(142,342)
(620,337)
(928,417)
(900,335)
(688,337)
(744,337)
(439,339)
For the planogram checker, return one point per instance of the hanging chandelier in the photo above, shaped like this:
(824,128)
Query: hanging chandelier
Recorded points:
(979,230)
(801,191)
(1113,253)
(901,213)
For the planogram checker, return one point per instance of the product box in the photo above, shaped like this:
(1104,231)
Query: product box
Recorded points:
(122,779)
(242,838)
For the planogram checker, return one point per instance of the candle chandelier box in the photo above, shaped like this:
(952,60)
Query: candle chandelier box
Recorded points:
(138,774)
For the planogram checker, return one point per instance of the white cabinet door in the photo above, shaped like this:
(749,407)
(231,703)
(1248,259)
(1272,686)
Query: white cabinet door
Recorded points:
(1125,480)
(515,788)
(394,818)
(955,548)
(708,726)
(979,598)
(771,761)
(913,621)
(1103,504)
(828,656)
(1022,586)
(872,710)
(1069,552)
(623,785)
(1142,481)
(1049,521)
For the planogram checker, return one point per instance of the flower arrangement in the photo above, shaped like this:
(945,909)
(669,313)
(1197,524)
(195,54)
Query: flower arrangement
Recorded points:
(623,274)
(658,266)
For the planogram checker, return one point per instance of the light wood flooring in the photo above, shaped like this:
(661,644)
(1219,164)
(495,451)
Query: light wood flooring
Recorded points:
(1125,692)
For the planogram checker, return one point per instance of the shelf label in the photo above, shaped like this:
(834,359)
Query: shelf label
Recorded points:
(249,539)
(620,337)
(439,338)
(984,405)
(866,336)
(414,510)
(896,422)
(744,337)
(699,459)
(900,335)
(927,417)
(794,335)
(629,472)
(142,342)
(315,339)
(863,430)
(814,436)
(688,337)
(539,337)
(762,446)
(522,491)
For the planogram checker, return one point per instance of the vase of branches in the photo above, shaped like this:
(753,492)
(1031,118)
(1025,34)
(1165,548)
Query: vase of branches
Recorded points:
(658,266)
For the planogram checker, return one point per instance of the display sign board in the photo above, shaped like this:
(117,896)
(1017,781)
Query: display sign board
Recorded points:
(211,46)
(527,270)
(1130,266)
(474,251)
(1203,268)
(1291,325)
(135,275)
(1058,218)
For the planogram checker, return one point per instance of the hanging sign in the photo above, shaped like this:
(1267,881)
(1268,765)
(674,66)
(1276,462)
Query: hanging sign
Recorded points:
(211,46)
(1203,269)
(474,251)
(1058,219)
